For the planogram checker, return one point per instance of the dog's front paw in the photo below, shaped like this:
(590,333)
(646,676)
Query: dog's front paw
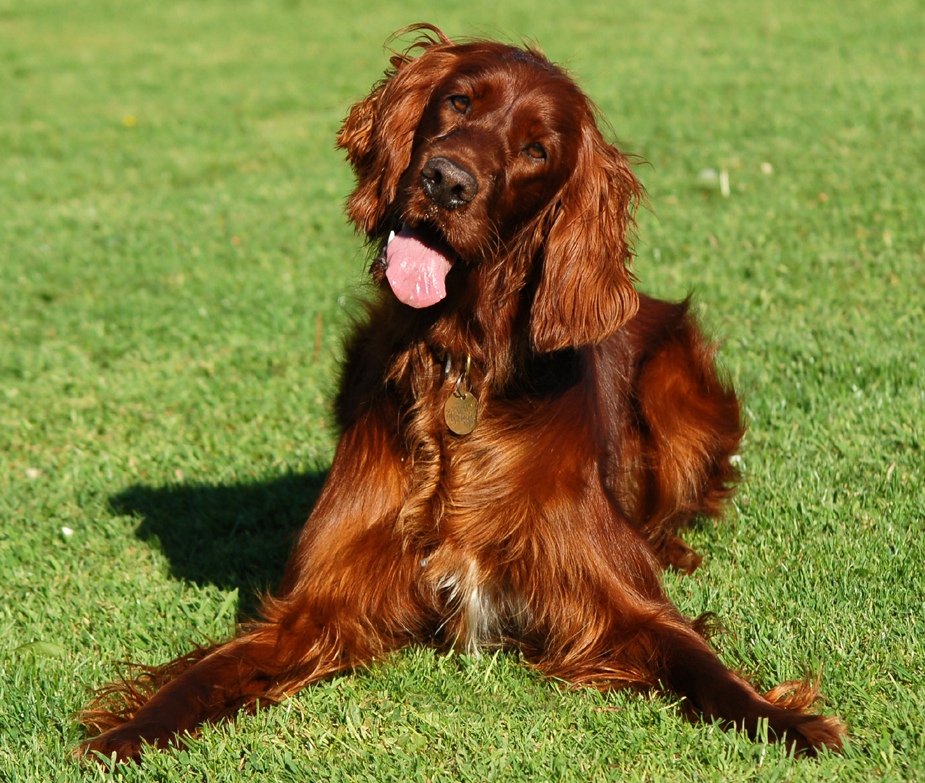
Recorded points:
(123,743)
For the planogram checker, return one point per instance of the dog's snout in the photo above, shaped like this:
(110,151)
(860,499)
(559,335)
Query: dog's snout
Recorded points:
(448,184)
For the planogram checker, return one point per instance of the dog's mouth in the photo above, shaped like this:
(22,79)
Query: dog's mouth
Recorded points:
(417,260)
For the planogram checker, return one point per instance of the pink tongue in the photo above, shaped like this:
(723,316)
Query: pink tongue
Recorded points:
(416,271)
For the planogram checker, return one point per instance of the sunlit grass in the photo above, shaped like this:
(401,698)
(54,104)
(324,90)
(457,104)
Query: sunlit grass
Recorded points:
(175,278)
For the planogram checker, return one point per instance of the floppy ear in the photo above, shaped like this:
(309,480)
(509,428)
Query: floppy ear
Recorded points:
(586,292)
(378,133)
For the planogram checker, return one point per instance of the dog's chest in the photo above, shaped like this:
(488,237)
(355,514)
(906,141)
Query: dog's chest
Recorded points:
(478,502)
(488,509)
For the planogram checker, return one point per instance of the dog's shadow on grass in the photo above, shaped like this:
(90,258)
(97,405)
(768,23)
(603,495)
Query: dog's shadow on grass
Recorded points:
(232,536)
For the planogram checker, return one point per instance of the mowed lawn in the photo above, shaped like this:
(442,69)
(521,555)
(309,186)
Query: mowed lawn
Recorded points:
(176,276)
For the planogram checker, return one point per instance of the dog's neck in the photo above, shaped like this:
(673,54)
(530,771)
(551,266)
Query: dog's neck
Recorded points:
(488,330)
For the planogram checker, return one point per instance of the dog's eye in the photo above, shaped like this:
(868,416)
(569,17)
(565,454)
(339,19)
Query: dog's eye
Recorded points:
(536,151)
(460,103)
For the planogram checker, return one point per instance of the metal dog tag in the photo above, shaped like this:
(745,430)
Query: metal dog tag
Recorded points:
(461,412)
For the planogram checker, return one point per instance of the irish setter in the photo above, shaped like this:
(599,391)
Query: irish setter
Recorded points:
(523,434)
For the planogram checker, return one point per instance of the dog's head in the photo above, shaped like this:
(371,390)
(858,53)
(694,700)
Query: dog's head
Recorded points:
(483,154)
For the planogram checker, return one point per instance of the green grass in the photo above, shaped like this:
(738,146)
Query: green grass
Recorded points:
(175,279)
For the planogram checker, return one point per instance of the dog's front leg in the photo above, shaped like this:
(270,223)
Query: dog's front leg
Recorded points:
(598,616)
(349,595)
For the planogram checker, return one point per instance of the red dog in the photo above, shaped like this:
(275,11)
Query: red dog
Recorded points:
(523,434)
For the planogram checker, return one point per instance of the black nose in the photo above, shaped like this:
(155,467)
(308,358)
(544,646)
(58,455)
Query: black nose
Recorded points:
(448,184)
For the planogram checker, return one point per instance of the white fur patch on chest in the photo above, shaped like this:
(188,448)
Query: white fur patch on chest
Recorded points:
(475,613)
